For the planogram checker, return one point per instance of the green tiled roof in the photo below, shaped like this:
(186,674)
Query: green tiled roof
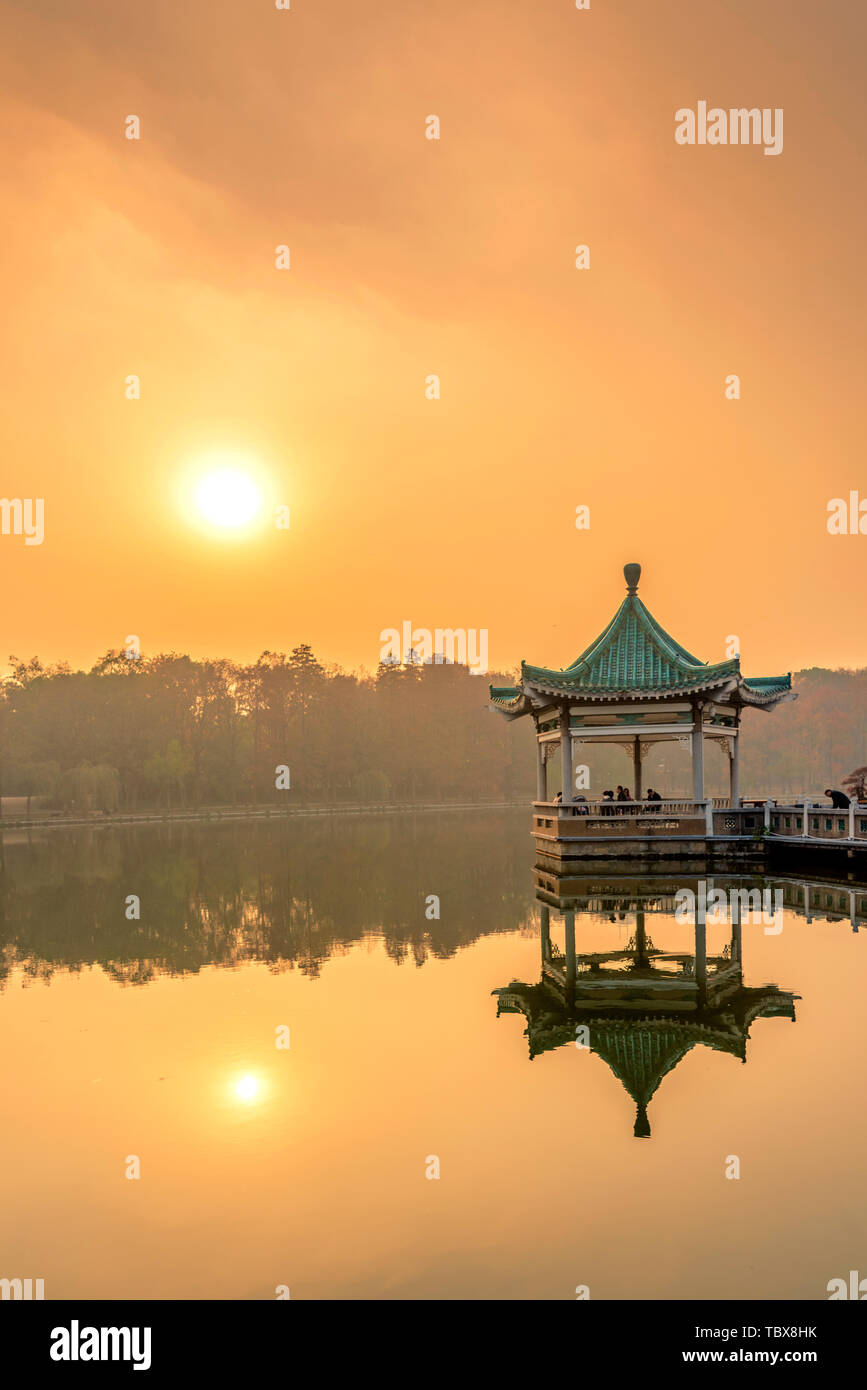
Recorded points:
(635,656)
(633,653)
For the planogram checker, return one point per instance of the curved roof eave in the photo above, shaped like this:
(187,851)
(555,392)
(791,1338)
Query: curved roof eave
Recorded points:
(763,692)
(573,690)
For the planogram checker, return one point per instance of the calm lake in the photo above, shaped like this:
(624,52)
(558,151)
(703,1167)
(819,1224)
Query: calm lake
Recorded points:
(677,1151)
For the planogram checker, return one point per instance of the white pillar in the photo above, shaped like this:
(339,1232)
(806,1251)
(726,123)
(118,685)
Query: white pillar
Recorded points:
(735,771)
(641,957)
(701,951)
(697,754)
(806,826)
(566,755)
(541,772)
(852,820)
(737,938)
(545,930)
(569,920)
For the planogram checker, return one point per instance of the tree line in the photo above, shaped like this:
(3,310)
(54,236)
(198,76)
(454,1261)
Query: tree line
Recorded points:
(169,731)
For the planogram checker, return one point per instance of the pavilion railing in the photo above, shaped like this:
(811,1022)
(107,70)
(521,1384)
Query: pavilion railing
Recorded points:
(794,820)
(817,822)
(618,816)
(748,818)
(596,805)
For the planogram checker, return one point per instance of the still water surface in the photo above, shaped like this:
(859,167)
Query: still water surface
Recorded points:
(413,1038)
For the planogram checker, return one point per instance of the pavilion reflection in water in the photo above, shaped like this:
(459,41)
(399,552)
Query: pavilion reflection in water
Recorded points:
(643,1007)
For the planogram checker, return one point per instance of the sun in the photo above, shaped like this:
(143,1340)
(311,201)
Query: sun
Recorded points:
(247,1088)
(228,498)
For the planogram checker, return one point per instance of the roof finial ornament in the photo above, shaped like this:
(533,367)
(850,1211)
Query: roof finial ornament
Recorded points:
(632,574)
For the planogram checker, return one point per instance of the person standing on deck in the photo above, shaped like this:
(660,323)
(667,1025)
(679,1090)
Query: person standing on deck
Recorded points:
(838,799)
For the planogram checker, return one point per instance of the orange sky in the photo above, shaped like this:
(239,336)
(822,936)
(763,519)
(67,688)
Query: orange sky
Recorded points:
(409,257)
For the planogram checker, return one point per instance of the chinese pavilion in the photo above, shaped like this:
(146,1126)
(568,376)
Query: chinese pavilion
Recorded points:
(636,686)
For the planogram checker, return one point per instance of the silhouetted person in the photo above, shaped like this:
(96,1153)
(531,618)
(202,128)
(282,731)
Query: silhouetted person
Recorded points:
(838,799)
(607,795)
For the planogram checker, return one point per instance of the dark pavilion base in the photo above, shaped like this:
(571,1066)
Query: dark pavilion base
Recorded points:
(639,854)
(646,851)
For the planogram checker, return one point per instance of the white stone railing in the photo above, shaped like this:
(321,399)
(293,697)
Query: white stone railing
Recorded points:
(624,808)
(645,812)
(805,820)
(817,821)
(799,819)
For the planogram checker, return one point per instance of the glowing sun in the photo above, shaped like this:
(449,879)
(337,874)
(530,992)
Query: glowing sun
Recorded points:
(228,498)
(247,1088)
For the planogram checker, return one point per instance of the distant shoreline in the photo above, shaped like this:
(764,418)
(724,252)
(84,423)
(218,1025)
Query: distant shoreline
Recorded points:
(41,821)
